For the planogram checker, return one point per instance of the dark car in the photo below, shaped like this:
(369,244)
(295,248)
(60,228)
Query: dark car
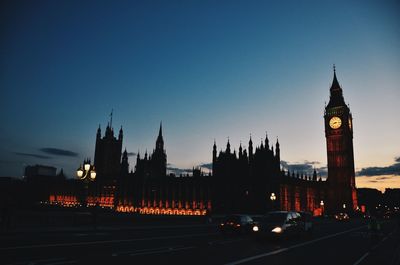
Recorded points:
(279,223)
(237,223)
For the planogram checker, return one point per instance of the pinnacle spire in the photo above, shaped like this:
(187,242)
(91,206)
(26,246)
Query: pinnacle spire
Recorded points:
(160,132)
(336,93)
(111,116)
(335,84)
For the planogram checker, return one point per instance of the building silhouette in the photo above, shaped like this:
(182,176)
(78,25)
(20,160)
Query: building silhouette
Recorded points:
(250,180)
(154,165)
(341,189)
(107,156)
(247,178)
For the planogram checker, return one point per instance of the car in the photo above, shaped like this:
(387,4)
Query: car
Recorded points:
(236,223)
(341,217)
(279,223)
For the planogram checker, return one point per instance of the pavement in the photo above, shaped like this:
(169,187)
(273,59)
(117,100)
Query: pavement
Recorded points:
(197,243)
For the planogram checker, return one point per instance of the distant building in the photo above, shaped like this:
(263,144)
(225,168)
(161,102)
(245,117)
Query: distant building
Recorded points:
(155,164)
(243,181)
(392,197)
(40,171)
(369,198)
(341,189)
(253,181)
(42,181)
(107,156)
(250,180)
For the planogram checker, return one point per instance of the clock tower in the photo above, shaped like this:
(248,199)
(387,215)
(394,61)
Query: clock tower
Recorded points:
(341,190)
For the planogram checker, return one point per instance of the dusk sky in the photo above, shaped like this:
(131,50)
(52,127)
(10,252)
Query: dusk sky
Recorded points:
(206,69)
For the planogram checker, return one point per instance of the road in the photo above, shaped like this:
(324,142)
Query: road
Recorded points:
(331,243)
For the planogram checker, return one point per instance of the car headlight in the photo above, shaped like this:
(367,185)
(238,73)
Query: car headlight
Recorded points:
(277,230)
(255,228)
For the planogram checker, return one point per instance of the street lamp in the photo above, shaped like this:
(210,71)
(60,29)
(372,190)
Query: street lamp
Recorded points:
(86,173)
(273,198)
(322,207)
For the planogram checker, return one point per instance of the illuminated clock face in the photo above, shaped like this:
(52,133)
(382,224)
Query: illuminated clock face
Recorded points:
(335,122)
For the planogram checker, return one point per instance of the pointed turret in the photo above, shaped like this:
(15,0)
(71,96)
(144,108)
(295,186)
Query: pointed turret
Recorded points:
(98,135)
(125,155)
(120,135)
(336,92)
(228,147)
(214,161)
(160,140)
(278,150)
(250,149)
(266,141)
(124,164)
(214,152)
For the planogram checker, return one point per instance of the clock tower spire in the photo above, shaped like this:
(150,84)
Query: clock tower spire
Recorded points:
(341,190)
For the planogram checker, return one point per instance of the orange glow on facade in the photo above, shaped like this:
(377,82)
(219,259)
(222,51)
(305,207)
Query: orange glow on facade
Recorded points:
(160,211)
(64,200)
(108,202)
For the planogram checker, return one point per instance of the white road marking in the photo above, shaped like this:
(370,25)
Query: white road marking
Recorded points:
(292,247)
(361,259)
(161,251)
(103,242)
(141,250)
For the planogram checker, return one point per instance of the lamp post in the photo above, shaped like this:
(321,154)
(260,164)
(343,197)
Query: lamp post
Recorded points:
(87,174)
(272,198)
(322,207)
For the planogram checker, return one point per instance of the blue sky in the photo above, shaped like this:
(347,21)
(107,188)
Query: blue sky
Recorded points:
(206,69)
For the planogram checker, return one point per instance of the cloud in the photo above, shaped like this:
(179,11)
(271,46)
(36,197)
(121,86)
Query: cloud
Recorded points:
(379,171)
(58,152)
(306,167)
(206,165)
(132,154)
(322,171)
(378,182)
(178,171)
(298,167)
(33,155)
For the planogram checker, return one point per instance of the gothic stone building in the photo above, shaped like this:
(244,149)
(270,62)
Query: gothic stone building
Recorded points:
(252,181)
(249,181)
